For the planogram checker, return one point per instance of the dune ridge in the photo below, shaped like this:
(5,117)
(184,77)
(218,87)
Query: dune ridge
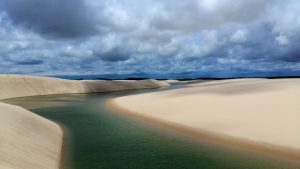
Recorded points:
(261,111)
(28,141)
(13,86)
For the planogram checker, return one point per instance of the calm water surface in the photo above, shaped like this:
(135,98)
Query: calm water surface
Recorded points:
(97,138)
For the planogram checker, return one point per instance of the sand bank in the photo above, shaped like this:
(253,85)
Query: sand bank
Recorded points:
(251,111)
(28,141)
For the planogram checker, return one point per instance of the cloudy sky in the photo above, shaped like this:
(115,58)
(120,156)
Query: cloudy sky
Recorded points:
(52,37)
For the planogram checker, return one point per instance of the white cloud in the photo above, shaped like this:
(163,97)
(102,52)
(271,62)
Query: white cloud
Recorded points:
(239,36)
(282,40)
(208,4)
(285,17)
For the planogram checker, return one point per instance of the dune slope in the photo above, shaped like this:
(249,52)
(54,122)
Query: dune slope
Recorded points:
(28,141)
(262,111)
(12,86)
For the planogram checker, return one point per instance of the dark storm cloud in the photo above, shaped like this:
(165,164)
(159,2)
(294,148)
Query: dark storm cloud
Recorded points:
(128,36)
(114,55)
(63,18)
(30,62)
(292,55)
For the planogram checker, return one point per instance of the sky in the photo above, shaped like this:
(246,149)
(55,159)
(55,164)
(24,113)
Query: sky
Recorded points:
(71,37)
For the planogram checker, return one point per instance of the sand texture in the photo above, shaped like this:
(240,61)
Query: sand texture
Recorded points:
(12,86)
(28,141)
(262,111)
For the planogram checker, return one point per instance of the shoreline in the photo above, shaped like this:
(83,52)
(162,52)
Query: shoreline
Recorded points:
(62,145)
(272,151)
(65,156)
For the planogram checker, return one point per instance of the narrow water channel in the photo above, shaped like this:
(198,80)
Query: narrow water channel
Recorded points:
(97,138)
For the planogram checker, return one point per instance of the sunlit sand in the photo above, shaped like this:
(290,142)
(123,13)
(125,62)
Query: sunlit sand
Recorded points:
(260,111)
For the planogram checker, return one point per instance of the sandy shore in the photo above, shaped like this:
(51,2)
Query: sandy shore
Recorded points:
(258,114)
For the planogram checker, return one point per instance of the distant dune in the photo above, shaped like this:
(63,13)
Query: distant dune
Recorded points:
(12,86)
(260,111)
(28,141)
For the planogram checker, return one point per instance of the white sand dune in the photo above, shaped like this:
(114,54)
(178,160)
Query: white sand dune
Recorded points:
(263,111)
(12,86)
(28,141)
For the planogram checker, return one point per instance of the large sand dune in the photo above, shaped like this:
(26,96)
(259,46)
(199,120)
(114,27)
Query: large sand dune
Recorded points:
(12,86)
(260,111)
(28,141)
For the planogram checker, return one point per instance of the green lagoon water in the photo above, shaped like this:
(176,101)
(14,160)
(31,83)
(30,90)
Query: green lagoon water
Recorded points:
(97,138)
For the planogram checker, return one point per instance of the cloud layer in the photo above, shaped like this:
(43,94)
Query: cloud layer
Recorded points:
(150,36)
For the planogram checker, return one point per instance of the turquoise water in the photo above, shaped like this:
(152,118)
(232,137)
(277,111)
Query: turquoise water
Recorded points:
(98,138)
